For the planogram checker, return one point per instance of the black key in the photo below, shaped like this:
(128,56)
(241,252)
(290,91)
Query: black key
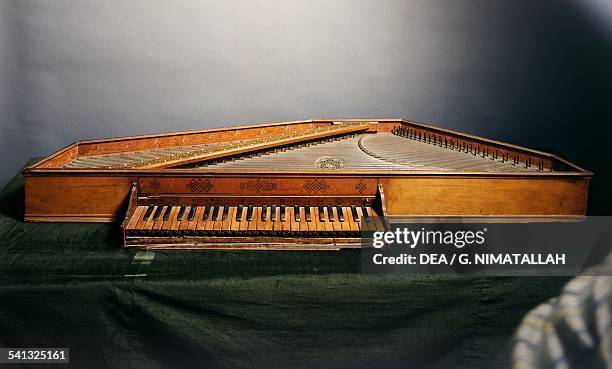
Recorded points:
(250,213)
(330,213)
(215,213)
(340,212)
(157,212)
(321,213)
(273,213)
(366,217)
(206,212)
(307,213)
(148,212)
(283,213)
(296,213)
(355,213)
(239,212)
(167,213)
(181,213)
(225,211)
(264,213)
(192,211)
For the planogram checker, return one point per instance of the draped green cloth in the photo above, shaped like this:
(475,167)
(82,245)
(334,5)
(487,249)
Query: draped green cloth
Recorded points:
(71,285)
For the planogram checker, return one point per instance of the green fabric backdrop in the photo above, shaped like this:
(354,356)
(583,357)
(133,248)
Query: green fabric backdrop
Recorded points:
(70,285)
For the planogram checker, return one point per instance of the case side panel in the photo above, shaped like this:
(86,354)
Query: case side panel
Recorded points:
(474,196)
(53,198)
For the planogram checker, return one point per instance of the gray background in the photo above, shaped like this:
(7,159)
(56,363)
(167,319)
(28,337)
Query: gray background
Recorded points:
(531,72)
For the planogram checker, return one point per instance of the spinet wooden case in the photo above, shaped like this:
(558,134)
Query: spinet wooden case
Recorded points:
(196,189)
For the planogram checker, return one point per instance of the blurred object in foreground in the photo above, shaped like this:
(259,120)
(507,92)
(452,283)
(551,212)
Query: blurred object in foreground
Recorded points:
(572,330)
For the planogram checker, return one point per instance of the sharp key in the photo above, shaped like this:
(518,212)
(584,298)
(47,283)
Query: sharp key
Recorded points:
(308,216)
(192,212)
(342,219)
(273,213)
(243,224)
(148,212)
(198,221)
(239,212)
(173,223)
(254,219)
(193,221)
(321,214)
(218,222)
(258,214)
(206,213)
(352,225)
(296,213)
(292,225)
(219,212)
(229,212)
(250,213)
(366,217)
(170,224)
(209,221)
(363,226)
(302,225)
(340,212)
(333,219)
(268,225)
(157,221)
(285,224)
(183,221)
(181,213)
(215,213)
(315,226)
(166,215)
(158,212)
(328,225)
(355,214)
(330,213)
(225,211)
(277,226)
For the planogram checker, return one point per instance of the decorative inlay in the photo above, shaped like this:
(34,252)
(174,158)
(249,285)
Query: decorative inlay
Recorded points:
(157,156)
(360,186)
(258,186)
(200,185)
(315,186)
(330,163)
(155,185)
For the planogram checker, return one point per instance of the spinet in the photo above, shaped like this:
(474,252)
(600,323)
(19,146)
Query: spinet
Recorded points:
(314,184)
